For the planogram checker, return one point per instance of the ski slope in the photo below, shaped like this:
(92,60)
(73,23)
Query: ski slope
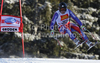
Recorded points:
(45,60)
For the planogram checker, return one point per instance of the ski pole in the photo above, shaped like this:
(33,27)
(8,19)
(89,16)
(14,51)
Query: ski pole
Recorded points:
(58,42)
(92,35)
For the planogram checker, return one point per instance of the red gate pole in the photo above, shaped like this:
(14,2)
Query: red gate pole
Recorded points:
(1,13)
(1,7)
(22,28)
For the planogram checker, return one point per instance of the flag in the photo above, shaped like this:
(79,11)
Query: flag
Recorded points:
(11,23)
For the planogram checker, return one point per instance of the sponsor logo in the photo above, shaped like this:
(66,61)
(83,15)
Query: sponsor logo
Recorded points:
(63,17)
(64,22)
(10,21)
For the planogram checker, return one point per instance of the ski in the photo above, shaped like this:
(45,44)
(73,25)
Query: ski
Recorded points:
(79,45)
(93,45)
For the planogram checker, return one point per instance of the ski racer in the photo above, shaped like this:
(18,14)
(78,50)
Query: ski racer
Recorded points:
(61,17)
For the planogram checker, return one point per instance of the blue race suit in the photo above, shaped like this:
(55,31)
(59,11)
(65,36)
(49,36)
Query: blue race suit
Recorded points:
(65,26)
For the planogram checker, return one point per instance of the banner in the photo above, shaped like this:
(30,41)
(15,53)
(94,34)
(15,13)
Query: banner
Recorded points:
(10,23)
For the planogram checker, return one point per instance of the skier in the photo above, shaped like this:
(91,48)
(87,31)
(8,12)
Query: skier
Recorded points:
(61,17)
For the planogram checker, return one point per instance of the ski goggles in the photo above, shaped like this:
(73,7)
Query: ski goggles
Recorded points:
(63,9)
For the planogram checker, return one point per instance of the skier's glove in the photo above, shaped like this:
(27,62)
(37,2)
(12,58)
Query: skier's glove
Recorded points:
(83,28)
(52,33)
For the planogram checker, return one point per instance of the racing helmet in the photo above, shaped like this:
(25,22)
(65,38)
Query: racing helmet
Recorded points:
(62,6)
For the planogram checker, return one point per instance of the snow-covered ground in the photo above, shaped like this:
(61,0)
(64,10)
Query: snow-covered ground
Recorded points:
(45,60)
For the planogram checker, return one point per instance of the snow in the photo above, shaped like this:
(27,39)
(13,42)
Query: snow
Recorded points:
(45,60)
